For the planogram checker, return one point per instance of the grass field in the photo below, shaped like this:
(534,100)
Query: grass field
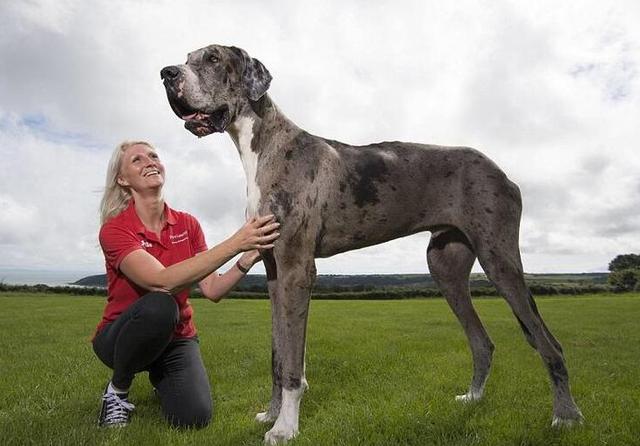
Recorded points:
(380,373)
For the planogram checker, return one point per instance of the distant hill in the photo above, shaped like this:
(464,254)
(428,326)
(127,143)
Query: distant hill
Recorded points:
(335,283)
(99,280)
(258,282)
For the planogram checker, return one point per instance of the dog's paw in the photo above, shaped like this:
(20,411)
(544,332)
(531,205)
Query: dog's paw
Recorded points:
(567,416)
(266,417)
(279,435)
(569,420)
(469,397)
(560,423)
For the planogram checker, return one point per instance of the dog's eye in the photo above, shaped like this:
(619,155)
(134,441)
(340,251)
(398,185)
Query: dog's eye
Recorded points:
(214,59)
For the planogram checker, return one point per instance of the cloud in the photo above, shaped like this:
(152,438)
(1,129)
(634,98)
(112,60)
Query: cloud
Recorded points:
(49,198)
(615,70)
(549,91)
(15,219)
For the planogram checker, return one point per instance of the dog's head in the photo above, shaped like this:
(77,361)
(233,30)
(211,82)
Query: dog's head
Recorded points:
(208,90)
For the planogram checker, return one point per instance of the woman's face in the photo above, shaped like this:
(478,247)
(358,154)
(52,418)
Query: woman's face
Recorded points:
(141,169)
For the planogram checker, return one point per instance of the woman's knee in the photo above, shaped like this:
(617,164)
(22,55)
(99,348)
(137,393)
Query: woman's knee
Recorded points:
(195,415)
(160,309)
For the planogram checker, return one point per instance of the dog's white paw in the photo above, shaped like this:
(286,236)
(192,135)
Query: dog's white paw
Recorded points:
(566,415)
(560,423)
(469,397)
(266,417)
(286,426)
(280,435)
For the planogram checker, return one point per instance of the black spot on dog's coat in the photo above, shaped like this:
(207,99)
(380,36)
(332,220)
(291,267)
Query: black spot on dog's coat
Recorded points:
(281,201)
(365,178)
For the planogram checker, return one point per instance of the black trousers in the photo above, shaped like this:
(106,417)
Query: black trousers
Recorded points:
(141,340)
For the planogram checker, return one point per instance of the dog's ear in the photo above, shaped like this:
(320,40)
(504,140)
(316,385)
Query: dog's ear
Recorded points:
(255,76)
(256,79)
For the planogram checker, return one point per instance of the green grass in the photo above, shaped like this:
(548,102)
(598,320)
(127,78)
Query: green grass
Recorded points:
(381,373)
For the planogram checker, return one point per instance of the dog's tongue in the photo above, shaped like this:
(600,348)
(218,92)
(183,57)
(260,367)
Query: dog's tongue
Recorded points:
(189,117)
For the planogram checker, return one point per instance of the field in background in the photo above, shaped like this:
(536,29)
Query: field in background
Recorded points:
(380,373)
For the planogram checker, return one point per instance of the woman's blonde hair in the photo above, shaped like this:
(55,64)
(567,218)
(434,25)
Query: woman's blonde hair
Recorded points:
(116,197)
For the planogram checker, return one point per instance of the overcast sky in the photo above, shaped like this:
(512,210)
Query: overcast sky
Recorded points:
(549,90)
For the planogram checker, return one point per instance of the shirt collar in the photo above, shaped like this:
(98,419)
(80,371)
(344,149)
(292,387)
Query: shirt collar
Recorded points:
(170,217)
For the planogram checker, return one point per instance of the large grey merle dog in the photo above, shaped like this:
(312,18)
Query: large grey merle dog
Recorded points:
(332,197)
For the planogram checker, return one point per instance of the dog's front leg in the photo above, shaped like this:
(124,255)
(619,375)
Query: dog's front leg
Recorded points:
(272,412)
(296,274)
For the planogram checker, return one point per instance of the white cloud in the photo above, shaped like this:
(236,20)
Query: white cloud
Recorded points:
(15,219)
(549,91)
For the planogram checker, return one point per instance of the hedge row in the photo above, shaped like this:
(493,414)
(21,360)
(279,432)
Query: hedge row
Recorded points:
(377,294)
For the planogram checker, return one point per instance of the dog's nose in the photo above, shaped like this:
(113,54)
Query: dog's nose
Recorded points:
(169,73)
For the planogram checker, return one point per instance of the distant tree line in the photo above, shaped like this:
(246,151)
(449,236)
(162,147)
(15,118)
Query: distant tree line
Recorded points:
(624,276)
(41,288)
(351,293)
(625,272)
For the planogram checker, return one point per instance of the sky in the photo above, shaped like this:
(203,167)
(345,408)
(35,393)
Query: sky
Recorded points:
(549,90)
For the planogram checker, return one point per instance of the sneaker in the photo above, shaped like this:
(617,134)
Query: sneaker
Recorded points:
(115,411)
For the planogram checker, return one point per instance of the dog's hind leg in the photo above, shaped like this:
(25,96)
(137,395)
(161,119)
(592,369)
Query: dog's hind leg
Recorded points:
(450,259)
(500,260)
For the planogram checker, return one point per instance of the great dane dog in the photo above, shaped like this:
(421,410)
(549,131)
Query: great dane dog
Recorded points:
(332,197)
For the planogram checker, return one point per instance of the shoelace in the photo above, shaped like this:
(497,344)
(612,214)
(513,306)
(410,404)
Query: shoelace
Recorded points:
(117,409)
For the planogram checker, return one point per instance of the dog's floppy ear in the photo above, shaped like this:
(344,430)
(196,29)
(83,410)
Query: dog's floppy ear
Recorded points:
(255,76)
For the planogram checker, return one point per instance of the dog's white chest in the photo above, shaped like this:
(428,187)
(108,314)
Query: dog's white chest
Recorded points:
(242,136)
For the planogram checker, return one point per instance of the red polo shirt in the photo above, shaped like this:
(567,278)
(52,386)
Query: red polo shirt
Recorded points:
(181,238)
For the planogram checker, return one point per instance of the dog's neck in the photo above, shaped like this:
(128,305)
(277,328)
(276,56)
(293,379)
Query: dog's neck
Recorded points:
(256,125)
(254,131)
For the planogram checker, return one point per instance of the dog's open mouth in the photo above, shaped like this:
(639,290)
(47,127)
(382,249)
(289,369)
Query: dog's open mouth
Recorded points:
(202,123)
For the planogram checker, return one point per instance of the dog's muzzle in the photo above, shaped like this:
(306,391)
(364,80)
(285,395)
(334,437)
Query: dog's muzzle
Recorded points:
(199,122)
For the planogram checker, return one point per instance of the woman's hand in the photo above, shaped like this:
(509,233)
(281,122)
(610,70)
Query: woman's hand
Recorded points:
(147,271)
(257,233)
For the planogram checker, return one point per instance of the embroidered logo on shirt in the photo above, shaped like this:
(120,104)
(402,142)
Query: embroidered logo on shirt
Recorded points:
(178,238)
(145,244)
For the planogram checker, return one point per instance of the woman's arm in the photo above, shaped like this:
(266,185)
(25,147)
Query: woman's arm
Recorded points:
(215,286)
(147,272)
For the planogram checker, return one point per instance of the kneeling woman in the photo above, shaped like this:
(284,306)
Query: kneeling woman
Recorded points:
(153,255)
